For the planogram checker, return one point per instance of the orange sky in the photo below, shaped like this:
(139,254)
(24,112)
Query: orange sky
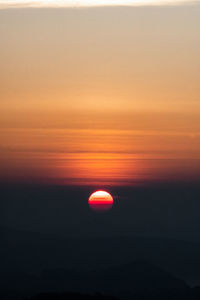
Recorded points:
(100,95)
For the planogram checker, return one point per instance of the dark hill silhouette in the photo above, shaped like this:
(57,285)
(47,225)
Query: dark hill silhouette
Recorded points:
(70,296)
(28,252)
(138,275)
(117,280)
(172,294)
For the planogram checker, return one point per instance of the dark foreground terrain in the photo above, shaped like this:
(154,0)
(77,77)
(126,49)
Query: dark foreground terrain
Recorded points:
(29,253)
(53,247)
(163,294)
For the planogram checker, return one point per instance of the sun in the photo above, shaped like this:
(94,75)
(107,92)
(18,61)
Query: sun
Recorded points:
(100,201)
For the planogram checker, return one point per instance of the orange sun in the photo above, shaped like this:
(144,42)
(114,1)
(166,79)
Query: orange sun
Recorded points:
(100,201)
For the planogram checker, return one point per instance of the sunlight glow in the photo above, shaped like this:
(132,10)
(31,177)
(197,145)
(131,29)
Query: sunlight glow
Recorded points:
(88,3)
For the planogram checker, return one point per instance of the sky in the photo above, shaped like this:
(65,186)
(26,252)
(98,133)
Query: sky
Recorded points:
(89,3)
(100,95)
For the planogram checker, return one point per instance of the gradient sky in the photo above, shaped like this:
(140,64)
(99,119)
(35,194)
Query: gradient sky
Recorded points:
(105,95)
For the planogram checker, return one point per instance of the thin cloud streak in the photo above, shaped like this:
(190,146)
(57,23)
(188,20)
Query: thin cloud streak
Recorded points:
(4,4)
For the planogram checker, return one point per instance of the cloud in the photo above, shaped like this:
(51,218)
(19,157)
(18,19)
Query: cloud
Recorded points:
(87,3)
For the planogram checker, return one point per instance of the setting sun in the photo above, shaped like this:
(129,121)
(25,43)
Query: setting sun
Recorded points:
(100,201)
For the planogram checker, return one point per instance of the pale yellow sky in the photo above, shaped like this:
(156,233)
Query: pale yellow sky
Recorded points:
(129,59)
(4,4)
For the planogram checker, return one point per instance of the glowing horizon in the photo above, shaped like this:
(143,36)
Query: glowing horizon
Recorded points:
(4,4)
